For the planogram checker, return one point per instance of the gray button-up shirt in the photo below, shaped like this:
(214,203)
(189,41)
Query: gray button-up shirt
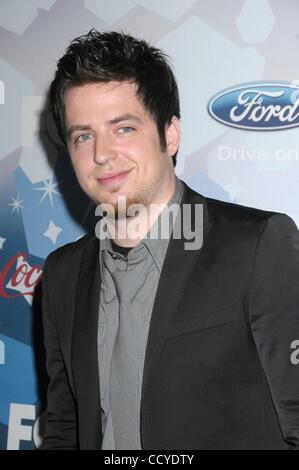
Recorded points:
(144,278)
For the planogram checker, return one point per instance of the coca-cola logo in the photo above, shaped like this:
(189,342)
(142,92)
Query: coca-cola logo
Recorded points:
(259,106)
(17,274)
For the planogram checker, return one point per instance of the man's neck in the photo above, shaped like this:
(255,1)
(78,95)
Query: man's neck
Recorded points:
(130,231)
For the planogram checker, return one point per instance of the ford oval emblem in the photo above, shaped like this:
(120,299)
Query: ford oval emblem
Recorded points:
(261,106)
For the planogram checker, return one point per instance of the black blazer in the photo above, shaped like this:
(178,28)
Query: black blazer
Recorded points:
(218,372)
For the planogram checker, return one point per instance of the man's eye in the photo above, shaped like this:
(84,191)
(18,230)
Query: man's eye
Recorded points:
(83,138)
(125,130)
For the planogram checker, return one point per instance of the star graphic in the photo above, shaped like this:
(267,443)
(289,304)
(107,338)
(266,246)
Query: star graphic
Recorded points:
(16,204)
(2,241)
(52,232)
(49,190)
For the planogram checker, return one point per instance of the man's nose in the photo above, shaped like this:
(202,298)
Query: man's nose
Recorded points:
(103,150)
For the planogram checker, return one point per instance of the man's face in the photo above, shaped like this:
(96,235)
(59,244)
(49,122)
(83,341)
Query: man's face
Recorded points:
(114,145)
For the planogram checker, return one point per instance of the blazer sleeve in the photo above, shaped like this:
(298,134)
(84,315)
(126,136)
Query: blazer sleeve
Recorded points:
(273,308)
(61,429)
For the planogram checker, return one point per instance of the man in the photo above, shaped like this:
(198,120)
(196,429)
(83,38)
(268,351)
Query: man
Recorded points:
(152,345)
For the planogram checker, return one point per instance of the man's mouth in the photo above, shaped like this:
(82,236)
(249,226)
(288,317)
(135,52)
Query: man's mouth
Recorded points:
(113,177)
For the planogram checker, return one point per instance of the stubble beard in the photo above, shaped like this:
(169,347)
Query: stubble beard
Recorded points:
(119,208)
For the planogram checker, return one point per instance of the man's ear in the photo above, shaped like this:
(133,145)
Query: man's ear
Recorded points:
(172,136)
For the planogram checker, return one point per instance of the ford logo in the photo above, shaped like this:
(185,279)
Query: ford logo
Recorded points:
(259,106)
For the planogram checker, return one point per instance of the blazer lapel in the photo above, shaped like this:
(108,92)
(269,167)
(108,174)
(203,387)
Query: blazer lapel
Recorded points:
(84,345)
(177,268)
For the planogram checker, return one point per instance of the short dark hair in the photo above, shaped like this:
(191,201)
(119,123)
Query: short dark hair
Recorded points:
(109,56)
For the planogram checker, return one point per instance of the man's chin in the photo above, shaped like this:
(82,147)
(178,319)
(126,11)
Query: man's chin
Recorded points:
(121,207)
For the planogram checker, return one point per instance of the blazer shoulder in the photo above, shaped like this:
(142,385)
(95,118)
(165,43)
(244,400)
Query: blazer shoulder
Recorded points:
(67,258)
(247,221)
(227,211)
(236,219)
(232,211)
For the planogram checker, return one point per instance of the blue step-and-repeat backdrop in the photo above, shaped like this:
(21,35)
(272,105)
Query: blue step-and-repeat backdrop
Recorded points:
(237,67)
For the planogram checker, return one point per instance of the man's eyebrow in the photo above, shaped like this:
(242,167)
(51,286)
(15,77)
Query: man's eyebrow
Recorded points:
(116,120)
(76,127)
(125,117)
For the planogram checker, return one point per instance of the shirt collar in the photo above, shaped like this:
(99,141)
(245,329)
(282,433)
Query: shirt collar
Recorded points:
(158,246)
